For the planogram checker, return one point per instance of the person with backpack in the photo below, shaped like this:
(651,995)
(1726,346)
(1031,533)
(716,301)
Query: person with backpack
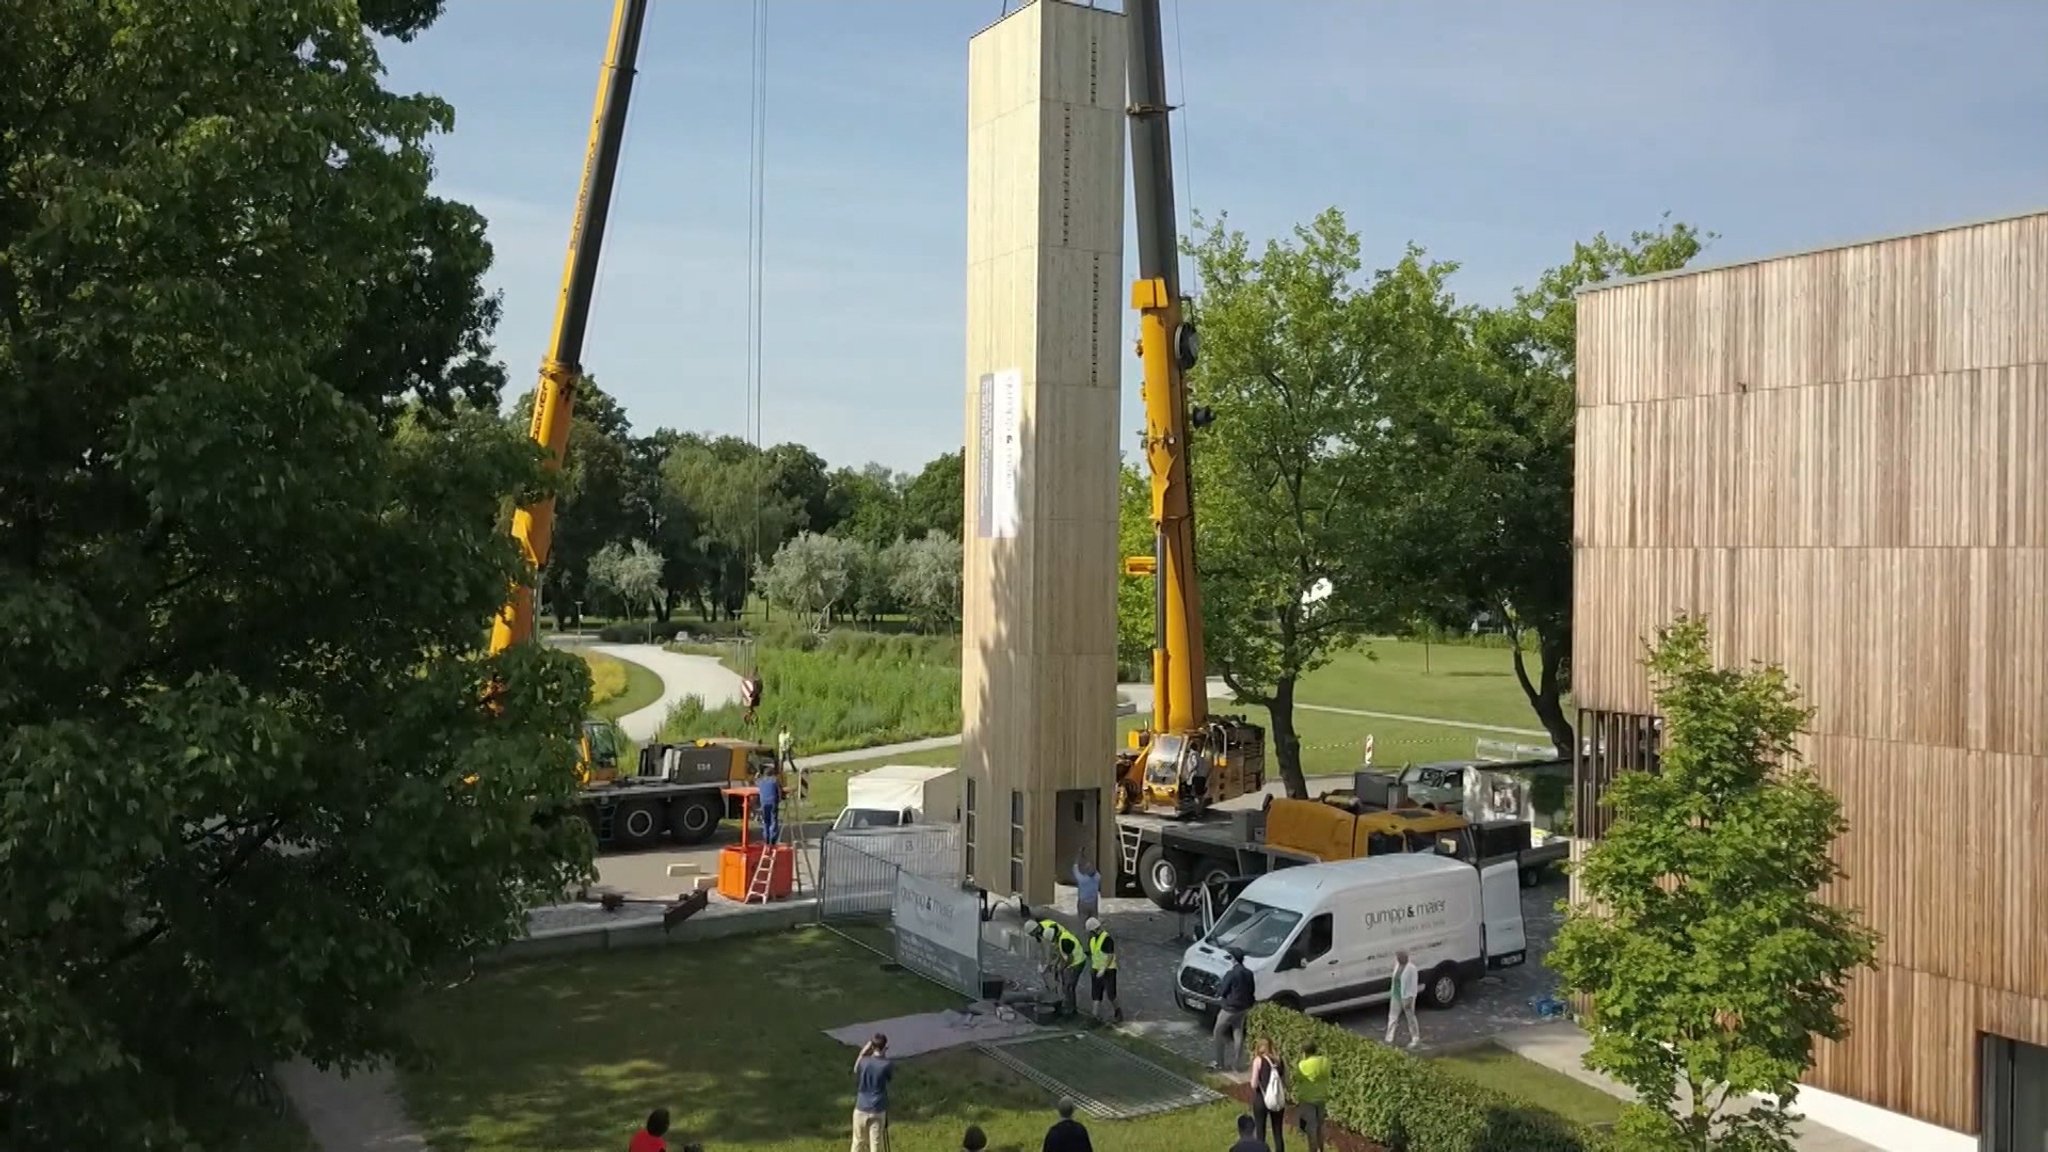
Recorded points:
(1269,1094)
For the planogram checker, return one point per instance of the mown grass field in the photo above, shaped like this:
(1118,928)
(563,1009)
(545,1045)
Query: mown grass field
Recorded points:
(1467,682)
(570,1055)
(1503,1071)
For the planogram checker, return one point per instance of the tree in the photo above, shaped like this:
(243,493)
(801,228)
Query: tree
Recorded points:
(811,575)
(255,788)
(874,582)
(869,504)
(631,574)
(1495,531)
(1711,960)
(1136,628)
(1299,482)
(801,479)
(742,517)
(935,500)
(927,576)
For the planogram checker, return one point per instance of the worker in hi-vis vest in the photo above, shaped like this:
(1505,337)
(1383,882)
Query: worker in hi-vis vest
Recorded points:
(1102,958)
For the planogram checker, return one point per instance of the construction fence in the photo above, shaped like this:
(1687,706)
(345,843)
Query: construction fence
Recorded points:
(906,882)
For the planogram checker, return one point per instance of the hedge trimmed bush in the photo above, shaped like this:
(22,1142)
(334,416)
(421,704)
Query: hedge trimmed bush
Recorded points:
(1410,1105)
(642,631)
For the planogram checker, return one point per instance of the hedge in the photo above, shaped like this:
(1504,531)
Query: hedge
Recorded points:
(1410,1105)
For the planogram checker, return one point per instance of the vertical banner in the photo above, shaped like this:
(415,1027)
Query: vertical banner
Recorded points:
(1001,453)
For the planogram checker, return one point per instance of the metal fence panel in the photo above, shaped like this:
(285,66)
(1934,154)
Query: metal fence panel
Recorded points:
(857,867)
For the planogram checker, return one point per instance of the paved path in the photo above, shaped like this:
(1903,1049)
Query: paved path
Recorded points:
(362,1113)
(682,676)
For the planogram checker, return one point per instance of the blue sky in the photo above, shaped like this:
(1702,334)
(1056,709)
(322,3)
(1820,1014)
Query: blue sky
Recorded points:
(1491,133)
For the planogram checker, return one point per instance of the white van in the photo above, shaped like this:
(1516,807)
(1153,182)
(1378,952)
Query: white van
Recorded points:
(1321,938)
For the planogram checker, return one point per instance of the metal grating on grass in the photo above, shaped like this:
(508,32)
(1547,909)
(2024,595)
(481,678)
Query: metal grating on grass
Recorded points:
(1103,1079)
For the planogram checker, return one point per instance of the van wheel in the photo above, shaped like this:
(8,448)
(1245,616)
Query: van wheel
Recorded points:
(1442,990)
(1531,877)
(636,824)
(1160,876)
(1287,1000)
(692,819)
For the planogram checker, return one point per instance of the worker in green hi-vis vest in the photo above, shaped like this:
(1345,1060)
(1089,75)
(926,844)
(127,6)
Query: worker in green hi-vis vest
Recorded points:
(1311,1094)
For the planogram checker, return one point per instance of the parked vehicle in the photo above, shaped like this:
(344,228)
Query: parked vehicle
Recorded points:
(1322,938)
(898,794)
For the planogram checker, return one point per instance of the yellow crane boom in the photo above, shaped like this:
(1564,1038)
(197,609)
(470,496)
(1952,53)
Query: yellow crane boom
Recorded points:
(561,369)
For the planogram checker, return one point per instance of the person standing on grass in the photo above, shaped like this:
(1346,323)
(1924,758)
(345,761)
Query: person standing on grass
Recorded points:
(1248,1136)
(1269,1093)
(1238,992)
(1067,1134)
(653,1137)
(1311,1094)
(872,1071)
(1087,888)
(1403,987)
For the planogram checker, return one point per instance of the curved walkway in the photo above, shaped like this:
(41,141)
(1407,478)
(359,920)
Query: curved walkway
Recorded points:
(681,676)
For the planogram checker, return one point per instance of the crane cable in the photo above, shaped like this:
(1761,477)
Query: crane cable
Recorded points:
(757,164)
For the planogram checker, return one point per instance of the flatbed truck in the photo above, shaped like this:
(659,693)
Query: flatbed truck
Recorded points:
(1170,860)
(677,791)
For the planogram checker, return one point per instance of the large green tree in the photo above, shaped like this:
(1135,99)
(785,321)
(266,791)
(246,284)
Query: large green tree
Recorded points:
(935,500)
(1711,960)
(594,505)
(741,513)
(1494,522)
(1300,481)
(249,542)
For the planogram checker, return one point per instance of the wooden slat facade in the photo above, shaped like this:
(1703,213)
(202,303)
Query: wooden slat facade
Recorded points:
(1841,459)
(1045,302)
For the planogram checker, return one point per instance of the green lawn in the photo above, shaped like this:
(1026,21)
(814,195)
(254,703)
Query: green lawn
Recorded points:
(643,688)
(571,1054)
(1503,1071)
(1441,681)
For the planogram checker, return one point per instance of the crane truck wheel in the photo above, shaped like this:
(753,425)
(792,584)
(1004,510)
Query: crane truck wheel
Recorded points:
(636,824)
(1159,874)
(692,819)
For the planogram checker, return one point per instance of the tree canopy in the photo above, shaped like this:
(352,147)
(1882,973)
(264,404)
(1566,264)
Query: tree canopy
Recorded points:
(244,353)
(1300,482)
(1709,954)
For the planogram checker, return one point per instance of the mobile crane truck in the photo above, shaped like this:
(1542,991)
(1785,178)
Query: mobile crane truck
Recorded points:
(674,789)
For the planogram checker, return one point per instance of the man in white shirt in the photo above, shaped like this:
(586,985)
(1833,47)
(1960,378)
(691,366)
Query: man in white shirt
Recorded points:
(1403,988)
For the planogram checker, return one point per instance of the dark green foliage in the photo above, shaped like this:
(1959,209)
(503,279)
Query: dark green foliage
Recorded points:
(249,537)
(1411,1105)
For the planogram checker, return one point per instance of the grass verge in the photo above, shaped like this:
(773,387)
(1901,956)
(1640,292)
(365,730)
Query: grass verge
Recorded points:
(571,1054)
(620,687)
(1503,1071)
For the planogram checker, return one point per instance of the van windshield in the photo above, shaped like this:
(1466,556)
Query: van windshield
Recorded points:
(1257,929)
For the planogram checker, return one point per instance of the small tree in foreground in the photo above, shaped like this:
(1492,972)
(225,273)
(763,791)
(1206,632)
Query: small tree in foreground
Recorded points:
(1711,961)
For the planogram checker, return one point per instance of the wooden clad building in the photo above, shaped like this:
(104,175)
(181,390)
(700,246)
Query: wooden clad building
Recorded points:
(1841,459)
(1045,298)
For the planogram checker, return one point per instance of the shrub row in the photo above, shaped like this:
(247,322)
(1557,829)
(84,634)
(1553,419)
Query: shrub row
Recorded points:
(1411,1105)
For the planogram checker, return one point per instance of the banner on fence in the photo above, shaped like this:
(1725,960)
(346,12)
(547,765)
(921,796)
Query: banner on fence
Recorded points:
(857,867)
(938,931)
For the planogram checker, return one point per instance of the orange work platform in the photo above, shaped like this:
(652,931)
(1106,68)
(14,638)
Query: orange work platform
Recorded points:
(737,863)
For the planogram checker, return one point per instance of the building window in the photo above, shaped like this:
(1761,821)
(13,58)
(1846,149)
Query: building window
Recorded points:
(2012,1078)
(1016,840)
(967,819)
(1610,743)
